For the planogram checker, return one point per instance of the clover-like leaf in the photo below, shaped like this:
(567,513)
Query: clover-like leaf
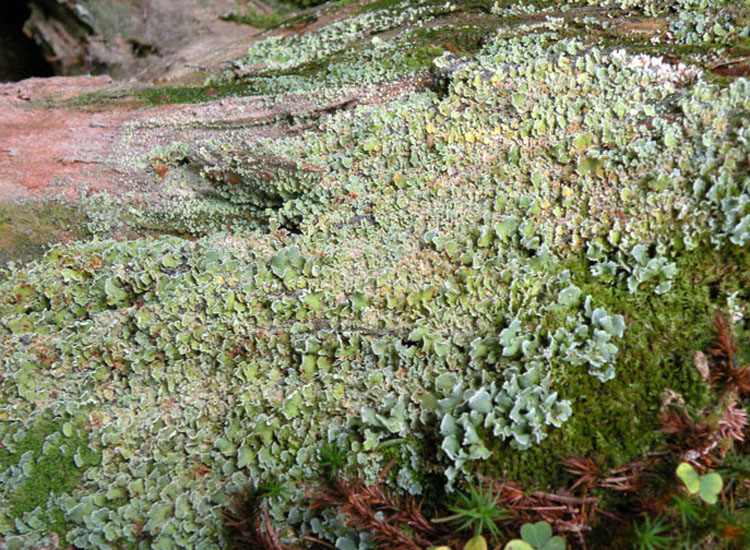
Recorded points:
(710,487)
(555,543)
(536,534)
(476,543)
(689,477)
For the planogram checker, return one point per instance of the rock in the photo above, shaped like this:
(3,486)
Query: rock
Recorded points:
(125,38)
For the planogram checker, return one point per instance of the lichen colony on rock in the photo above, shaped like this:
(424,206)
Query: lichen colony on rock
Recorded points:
(468,277)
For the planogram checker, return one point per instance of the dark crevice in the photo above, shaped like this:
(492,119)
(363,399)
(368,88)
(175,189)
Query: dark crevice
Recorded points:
(143,50)
(20,57)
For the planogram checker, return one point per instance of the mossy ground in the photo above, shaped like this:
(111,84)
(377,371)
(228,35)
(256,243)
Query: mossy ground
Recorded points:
(663,334)
(28,229)
(52,471)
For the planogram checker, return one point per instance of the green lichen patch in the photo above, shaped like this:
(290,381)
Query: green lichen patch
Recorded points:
(487,274)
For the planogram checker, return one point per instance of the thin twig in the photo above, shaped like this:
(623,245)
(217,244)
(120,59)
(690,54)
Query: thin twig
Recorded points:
(729,62)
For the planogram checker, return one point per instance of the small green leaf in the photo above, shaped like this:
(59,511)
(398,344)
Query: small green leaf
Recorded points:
(441,347)
(20,324)
(291,406)
(583,140)
(157,517)
(587,165)
(485,237)
(418,334)
(476,543)
(669,139)
(446,381)
(481,401)
(505,228)
(359,300)
(226,447)
(518,544)
(229,301)
(689,477)
(312,301)
(536,534)
(710,487)
(114,492)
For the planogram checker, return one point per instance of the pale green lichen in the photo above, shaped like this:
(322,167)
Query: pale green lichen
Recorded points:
(400,283)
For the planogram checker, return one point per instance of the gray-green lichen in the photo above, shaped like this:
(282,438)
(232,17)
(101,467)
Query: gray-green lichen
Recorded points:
(395,275)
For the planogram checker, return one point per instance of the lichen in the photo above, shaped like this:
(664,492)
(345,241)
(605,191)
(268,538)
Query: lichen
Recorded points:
(482,274)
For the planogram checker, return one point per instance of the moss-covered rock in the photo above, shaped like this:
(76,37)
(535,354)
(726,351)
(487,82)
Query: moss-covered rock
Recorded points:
(478,256)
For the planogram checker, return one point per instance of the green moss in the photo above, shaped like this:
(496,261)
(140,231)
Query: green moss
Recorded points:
(307,3)
(465,40)
(28,229)
(256,18)
(52,472)
(310,68)
(618,420)
(164,95)
(105,97)
(421,58)
(193,94)
(379,5)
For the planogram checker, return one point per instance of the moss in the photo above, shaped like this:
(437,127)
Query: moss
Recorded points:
(343,3)
(256,18)
(163,95)
(380,5)
(104,97)
(28,229)
(190,94)
(52,472)
(742,335)
(421,58)
(464,40)
(309,68)
(307,3)
(617,421)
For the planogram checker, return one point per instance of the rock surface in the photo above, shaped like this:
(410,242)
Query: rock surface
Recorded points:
(143,38)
